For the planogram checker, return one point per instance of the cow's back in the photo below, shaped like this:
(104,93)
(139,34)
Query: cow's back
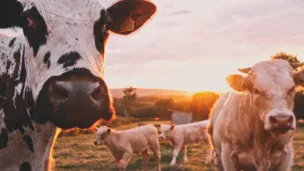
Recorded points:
(191,133)
(139,137)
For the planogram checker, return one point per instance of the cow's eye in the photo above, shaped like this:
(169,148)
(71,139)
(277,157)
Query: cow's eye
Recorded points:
(291,90)
(102,136)
(256,91)
(25,20)
(108,25)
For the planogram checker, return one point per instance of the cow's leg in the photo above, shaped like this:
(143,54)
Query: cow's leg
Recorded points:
(264,164)
(218,162)
(185,153)
(123,163)
(176,151)
(118,165)
(228,159)
(146,157)
(156,150)
(286,159)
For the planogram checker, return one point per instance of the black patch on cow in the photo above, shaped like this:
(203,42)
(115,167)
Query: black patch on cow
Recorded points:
(101,31)
(17,64)
(12,42)
(8,65)
(36,34)
(29,142)
(69,59)
(9,11)
(22,75)
(3,138)
(46,59)
(14,104)
(25,166)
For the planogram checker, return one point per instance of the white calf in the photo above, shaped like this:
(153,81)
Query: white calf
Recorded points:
(123,144)
(181,136)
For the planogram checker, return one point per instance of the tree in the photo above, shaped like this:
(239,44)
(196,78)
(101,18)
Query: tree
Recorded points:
(162,106)
(298,104)
(202,103)
(128,100)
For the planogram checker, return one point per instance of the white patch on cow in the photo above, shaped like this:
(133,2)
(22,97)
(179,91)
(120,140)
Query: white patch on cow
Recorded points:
(66,21)
(2,124)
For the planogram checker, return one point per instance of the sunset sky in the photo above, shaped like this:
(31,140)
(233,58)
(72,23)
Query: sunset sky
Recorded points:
(194,44)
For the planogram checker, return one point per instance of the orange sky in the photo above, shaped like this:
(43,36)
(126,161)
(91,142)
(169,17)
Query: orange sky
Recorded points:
(193,45)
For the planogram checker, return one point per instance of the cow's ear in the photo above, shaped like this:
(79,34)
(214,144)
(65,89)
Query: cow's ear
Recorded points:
(237,82)
(172,126)
(298,77)
(129,15)
(9,12)
(108,131)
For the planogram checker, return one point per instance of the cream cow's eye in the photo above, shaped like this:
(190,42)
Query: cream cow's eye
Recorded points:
(291,90)
(256,91)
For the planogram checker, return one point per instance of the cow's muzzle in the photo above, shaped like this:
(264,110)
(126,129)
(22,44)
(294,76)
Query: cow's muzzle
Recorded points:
(280,123)
(77,99)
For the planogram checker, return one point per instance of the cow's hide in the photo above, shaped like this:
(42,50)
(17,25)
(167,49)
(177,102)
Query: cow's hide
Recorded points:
(62,41)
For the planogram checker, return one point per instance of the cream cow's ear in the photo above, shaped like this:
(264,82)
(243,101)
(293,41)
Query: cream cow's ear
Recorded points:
(109,131)
(172,126)
(237,82)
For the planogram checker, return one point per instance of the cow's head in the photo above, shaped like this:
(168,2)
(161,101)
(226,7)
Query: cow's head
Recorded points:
(65,44)
(270,86)
(166,131)
(102,134)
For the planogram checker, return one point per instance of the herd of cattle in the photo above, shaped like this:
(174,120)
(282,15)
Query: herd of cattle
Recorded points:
(52,75)
(250,128)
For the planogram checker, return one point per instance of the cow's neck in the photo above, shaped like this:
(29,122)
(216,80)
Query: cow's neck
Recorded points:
(113,144)
(241,120)
(33,148)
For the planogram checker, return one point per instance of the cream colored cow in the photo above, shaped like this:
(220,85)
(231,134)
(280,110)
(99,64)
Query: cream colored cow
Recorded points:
(181,136)
(124,144)
(252,127)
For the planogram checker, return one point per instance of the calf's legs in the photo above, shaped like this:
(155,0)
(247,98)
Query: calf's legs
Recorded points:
(156,150)
(146,157)
(176,151)
(185,153)
(210,151)
(123,163)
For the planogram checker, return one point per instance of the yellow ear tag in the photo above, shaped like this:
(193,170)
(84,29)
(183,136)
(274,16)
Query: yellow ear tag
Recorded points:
(127,25)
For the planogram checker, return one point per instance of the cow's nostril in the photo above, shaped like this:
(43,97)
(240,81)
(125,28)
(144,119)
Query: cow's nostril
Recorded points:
(290,120)
(97,94)
(272,119)
(57,91)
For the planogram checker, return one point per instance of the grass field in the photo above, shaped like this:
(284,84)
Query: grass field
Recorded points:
(77,153)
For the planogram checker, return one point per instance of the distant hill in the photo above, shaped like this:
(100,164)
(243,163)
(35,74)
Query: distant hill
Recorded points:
(141,92)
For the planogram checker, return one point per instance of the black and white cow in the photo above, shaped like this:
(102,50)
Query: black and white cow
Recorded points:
(52,75)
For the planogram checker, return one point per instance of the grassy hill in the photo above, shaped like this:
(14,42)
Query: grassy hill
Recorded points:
(141,92)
